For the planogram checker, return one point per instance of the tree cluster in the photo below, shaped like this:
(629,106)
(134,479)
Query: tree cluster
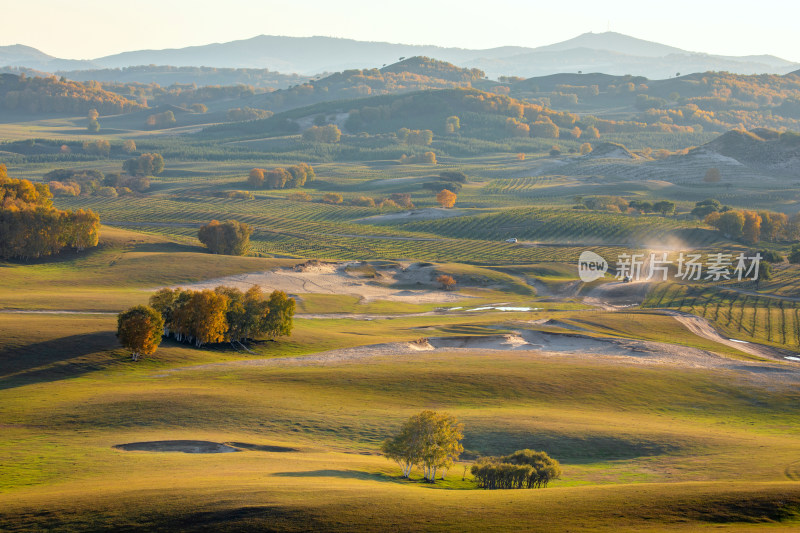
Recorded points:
(90,182)
(161,120)
(429,440)
(225,314)
(662,207)
(281,178)
(31,227)
(754,226)
(239,114)
(150,164)
(523,469)
(415,137)
(329,133)
(424,158)
(227,238)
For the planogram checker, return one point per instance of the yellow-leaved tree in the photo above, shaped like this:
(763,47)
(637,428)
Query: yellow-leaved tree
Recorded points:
(139,329)
(446,198)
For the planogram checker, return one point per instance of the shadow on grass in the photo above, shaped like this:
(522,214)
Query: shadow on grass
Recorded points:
(261,447)
(166,247)
(343,474)
(571,449)
(54,359)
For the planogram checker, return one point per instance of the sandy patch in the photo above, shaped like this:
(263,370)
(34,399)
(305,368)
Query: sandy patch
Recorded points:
(411,283)
(537,343)
(703,328)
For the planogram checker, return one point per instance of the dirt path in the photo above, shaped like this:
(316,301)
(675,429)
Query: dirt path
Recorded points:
(703,328)
(617,295)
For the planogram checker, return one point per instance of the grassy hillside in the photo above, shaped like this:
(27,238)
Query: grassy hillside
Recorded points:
(643,448)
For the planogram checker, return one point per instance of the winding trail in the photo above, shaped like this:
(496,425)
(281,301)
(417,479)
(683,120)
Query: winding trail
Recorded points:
(703,328)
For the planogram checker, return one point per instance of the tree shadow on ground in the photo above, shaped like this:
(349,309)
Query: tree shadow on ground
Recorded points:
(55,359)
(261,447)
(573,449)
(342,474)
(166,247)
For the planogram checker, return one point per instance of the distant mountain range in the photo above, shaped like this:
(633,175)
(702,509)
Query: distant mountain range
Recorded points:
(609,52)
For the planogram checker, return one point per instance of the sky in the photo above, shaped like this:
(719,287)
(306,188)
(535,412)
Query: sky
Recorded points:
(87,29)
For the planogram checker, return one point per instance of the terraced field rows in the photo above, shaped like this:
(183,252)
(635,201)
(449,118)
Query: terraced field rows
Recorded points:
(552,225)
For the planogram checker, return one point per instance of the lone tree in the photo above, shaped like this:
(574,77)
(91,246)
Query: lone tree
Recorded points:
(447,282)
(446,198)
(93,125)
(229,238)
(139,329)
(429,440)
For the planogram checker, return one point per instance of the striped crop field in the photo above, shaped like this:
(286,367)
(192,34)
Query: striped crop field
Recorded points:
(746,316)
(559,225)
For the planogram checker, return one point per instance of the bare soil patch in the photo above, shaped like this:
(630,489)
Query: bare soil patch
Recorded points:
(406,282)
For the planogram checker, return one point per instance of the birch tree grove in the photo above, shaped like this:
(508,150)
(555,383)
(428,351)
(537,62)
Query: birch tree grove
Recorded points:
(523,469)
(225,314)
(428,440)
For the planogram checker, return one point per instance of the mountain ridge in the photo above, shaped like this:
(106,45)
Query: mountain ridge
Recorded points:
(609,52)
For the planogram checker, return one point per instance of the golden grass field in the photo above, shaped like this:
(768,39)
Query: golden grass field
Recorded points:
(645,446)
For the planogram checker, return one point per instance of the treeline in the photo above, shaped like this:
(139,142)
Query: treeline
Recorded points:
(396,200)
(167,77)
(90,182)
(239,114)
(711,101)
(617,204)
(225,314)
(751,226)
(31,227)
(180,94)
(281,178)
(51,94)
(523,469)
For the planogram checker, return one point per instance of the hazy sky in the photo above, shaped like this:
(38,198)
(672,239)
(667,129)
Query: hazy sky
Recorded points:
(84,29)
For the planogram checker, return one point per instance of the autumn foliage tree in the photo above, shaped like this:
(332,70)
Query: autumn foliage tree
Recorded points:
(31,227)
(225,314)
(446,198)
(92,124)
(281,178)
(229,238)
(446,282)
(139,329)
